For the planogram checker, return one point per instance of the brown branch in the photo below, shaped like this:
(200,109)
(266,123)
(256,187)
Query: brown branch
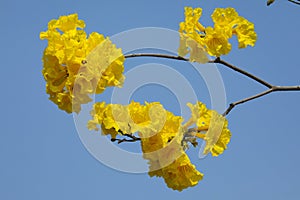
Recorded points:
(156,55)
(255,78)
(295,2)
(271,88)
(217,60)
(124,140)
(131,136)
(286,88)
(232,105)
(269,2)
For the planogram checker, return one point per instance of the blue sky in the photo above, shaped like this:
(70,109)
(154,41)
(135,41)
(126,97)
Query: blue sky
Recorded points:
(42,156)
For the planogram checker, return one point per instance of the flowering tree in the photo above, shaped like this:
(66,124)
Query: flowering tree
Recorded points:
(77,65)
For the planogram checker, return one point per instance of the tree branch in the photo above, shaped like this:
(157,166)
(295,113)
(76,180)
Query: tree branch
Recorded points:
(295,2)
(232,105)
(286,88)
(271,88)
(157,55)
(255,78)
(269,2)
(217,60)
(124,140)
(131,136)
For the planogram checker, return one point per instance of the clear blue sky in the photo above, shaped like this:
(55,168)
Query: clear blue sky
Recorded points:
(42,156)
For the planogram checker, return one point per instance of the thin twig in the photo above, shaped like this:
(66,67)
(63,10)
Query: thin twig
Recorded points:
(269,2)
(232,105)
(132,139)
(271,88)
(131,136)
(217,60)
(295,2)
(155,55)
(255,78)
(123,140)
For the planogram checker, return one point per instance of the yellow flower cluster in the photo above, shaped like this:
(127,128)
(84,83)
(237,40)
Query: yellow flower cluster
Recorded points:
(119,119)
(162,136)
(197,39)
(77,65)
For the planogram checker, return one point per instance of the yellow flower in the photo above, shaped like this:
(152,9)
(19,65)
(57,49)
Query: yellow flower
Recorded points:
(72,69)
(55,74)
(161,134)
(218,135)
(105,72)
(112,118)
(166,157)
(197,51)
(225,17)
(245,33)
(97,113)
(191,32)
(191,23)
(195,39)
(64,23)
(163,127)
(128,119)
(139,113)
(183,47)
(228,18)
(181,174)
(216,41)
(117,116)
(214,125)
(198,110)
